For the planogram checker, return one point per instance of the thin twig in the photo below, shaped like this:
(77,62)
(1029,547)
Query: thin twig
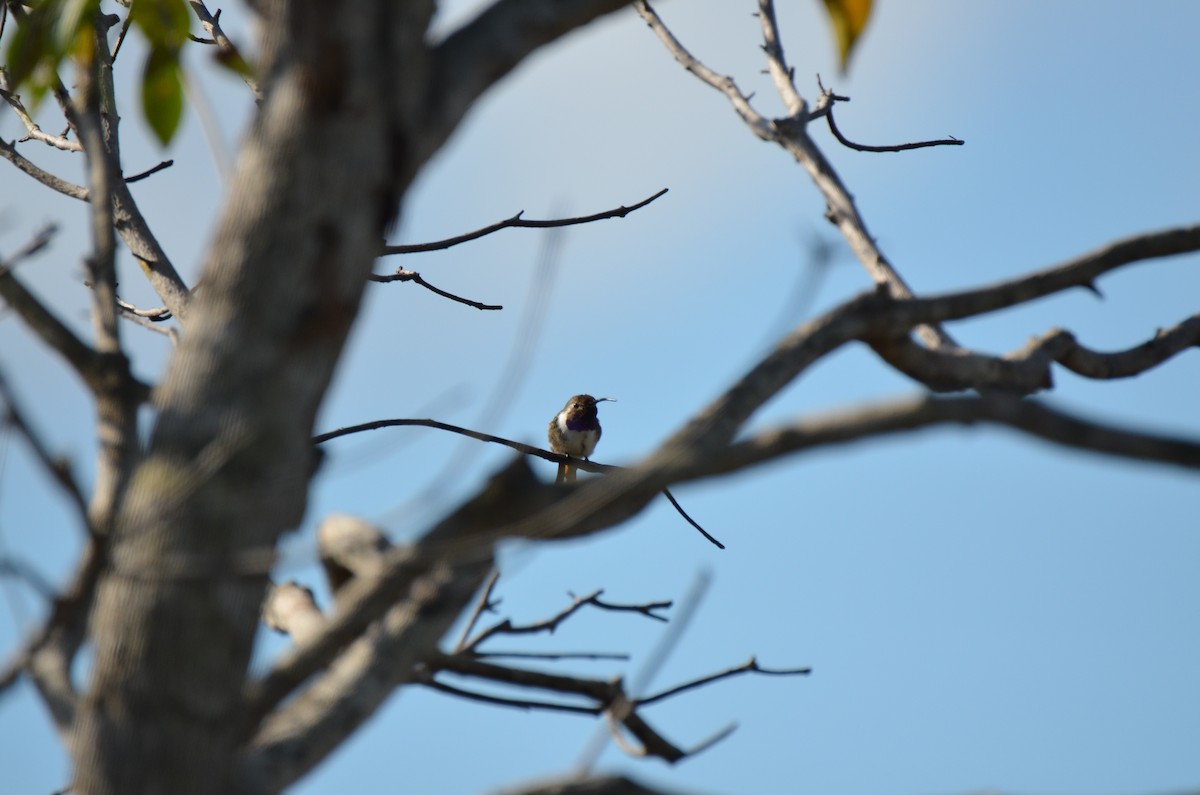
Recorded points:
(33,131)
(47,655)
(517,221)
(484,604)
(646,609)
(154,170)
(549,625)
(667,493)
(513,370)
(58,468)
(608,697)
(650,667)
(704,745)
(581,463)
(227,51)
(35,245)
(550,655)
(88,363)
(758,124)
(750,666)
(157,314)
(781,74)
(117,406)
(791,134)
(9,152)
(844,141)
(519,703)
(150,324)
(445,426)
(404,275)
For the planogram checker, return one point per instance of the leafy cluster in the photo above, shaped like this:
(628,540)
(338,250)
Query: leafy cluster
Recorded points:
(54,31)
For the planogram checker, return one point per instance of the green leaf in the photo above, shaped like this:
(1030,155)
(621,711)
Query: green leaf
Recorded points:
(162,93)
(164,23)
(849,17)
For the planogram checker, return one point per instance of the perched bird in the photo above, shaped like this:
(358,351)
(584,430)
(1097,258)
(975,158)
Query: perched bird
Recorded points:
(574,431)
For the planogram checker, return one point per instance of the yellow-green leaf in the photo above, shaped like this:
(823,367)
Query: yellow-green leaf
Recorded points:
(849,17)
(162,93)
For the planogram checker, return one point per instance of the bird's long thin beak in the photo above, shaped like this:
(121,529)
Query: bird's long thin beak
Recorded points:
(601,400)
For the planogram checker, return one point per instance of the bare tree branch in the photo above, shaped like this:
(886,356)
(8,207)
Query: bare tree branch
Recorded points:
(781,74)
(404,275)
(1134,361)
(549,625)
(155,315)
(792,135)
(116,398)
(48,655)
(501,701)
(517,221)
(170,332)
(844,141)
(130,223)
(126,216)
(445,426)
(314,722)
(91,365)
(750,666)
(1027,370)
(227,52)
(364,600)
(679,509)
(36,245)
(608,696)
(335,146)
(1032,418)
(9,152)
(758,124)
(48,327)
(828,99)
(141,175)
(483,604)
(58,468)
(580,463)
(35,133)
(550,655)
(1081,271)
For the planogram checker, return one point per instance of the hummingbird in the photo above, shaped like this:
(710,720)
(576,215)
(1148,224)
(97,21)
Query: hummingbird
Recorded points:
(574,431)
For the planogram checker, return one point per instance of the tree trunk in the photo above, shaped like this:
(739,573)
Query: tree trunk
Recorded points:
(229,460)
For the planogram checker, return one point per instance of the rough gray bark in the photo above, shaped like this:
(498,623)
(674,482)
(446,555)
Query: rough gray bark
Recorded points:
(342,131)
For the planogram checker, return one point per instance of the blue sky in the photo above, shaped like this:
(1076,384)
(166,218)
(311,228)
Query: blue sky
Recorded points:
(981,610)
